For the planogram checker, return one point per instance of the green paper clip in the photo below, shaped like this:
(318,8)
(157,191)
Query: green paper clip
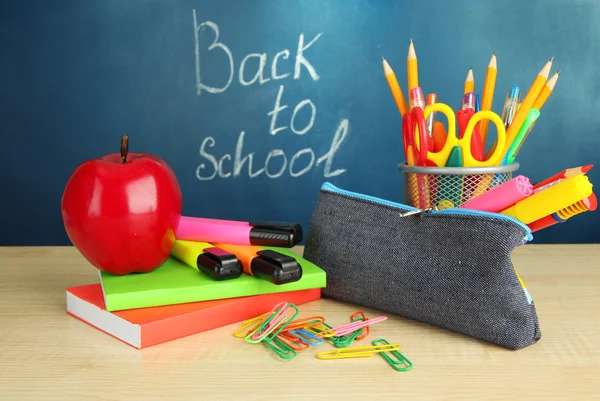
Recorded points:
(280,348)
(400,363)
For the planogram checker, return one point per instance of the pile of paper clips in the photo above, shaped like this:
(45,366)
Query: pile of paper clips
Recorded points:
(285,335)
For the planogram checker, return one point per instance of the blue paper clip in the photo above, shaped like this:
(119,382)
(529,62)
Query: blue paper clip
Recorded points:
(307,337)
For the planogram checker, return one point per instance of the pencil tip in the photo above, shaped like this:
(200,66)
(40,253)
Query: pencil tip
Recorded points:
(558,72)
(551,59)
(494,53)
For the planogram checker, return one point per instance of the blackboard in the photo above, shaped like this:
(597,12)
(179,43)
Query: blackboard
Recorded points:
(296,86)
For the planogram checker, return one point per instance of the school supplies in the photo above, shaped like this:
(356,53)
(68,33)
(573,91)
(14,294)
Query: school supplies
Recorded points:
(358,352)
(462,118)
(266,264)
(522,135)
(439,135)
(174,282)
(350,327)
(468,160)
(488,95)
(526,104)
(568,173)
(215,262)
(415,147)
(412,67)
(477,278)
(239,232)
(400,363)
(588,204)
(146,327)
(469,82)
(468,101)
(431,99)
(550,200)
(511,103)
(397,94)
(287,336)
(548,88)
(502,196)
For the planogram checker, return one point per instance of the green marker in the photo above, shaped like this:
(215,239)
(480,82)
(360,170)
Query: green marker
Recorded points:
(519,140)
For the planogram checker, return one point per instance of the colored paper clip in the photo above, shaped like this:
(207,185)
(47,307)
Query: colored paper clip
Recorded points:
(271,327)
(281,349)
(400,363)
(307,337)
(357,352)
(360,316)
(255,322)
(292,341)
(304,323)
(350,327)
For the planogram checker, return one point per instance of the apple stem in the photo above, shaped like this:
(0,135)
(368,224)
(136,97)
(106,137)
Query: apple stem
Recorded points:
(124,148)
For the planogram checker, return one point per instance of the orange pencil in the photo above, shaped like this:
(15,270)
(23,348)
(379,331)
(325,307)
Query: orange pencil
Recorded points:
(488,95)
(545,94)
(526,104)
(390,76)
(469,82)
(412,67)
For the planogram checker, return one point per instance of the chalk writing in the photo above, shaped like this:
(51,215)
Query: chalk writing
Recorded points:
(253,69)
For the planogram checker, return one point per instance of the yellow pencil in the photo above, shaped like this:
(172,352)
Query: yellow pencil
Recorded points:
(390,76)
(548,88)
(488,95)
(412,67)
(527,103)
(469,82)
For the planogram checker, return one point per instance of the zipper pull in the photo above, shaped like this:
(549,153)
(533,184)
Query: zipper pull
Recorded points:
(420,212)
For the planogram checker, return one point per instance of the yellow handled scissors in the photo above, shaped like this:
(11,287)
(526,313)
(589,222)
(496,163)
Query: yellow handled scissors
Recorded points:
(440,158)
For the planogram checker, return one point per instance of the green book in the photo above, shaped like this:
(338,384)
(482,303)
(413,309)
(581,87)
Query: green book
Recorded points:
(174,282)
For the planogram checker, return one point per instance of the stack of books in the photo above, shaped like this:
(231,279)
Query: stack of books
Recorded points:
(179,299)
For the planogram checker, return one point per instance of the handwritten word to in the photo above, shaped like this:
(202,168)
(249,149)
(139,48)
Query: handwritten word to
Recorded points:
(261,69)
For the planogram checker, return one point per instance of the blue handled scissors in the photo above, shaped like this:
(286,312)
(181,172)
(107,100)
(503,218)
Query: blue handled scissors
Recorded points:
(440,158)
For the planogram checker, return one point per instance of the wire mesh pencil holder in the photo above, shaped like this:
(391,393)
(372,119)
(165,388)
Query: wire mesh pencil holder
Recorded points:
(446,187)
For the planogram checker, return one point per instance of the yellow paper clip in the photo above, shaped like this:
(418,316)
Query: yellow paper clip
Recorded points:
(358,352)
(257,321)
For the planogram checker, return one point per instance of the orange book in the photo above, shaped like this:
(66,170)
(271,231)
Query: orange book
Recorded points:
(146,327)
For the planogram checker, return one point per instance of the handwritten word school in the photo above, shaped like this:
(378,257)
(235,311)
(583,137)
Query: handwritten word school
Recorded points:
(284,119)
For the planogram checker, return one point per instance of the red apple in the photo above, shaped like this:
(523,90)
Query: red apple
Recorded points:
(121,211)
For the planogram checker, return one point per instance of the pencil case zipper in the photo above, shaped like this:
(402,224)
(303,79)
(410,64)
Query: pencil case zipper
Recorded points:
(327,186)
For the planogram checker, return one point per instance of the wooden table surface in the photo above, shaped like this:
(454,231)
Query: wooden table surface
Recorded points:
(46,354)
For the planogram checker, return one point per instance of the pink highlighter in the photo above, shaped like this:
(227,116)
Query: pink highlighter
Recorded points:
(503,196)
(203,229)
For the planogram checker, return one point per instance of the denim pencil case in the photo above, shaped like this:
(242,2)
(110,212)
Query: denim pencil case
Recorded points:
(450,268)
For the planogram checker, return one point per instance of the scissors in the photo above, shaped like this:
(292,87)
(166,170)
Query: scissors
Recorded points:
(414,135)
(440,158)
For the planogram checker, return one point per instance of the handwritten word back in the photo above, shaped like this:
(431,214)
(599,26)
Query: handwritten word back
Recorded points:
(284,119)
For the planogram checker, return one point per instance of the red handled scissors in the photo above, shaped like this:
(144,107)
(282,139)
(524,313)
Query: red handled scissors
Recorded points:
(416,148)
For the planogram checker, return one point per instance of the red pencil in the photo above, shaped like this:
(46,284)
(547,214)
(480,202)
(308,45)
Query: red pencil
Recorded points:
(570,172)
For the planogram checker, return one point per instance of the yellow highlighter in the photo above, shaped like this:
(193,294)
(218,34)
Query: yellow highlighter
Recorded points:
(210,260)
(551,200)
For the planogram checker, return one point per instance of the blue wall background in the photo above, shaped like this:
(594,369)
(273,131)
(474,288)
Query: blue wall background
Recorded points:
(77,75)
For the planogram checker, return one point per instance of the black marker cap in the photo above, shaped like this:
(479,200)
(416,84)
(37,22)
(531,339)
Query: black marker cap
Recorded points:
(276,267)
(219,264)
(285,235)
